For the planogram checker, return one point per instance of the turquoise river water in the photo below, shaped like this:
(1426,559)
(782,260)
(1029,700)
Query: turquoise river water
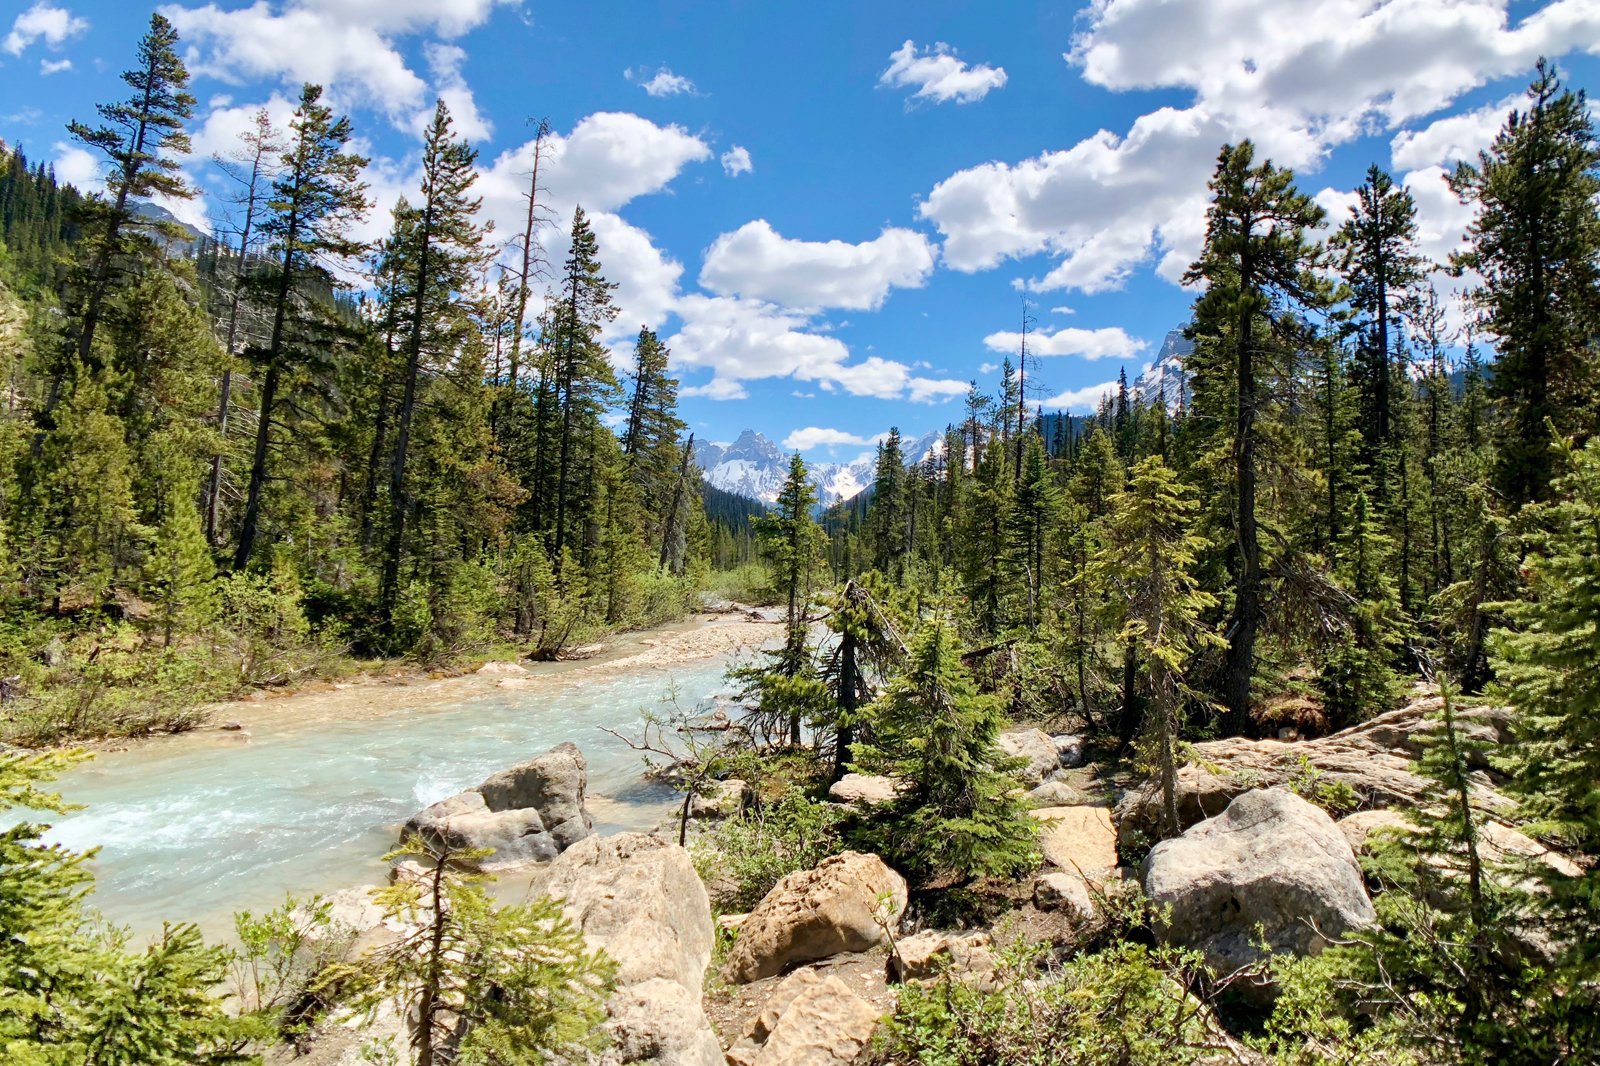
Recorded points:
(197,826)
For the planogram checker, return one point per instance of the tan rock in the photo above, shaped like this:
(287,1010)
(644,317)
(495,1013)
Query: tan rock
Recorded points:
(930,954)
(1036,748)
(1358,827)
(867,790)
(1064,891)
(496,667)
(639,898)
(825,1025)
(1078,839)
(817,913)
(661,1023)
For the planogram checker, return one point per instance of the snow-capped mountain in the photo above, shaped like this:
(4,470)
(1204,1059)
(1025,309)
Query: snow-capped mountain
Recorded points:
(754,466)
(1166,378)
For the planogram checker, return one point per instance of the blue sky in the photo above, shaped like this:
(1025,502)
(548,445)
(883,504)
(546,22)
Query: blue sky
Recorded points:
(831,210)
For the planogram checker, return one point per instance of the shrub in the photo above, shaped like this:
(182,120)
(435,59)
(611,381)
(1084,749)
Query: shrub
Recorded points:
(744,857)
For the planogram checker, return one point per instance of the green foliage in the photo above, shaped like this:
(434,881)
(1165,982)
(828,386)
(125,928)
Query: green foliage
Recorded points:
(513,985)
(959,813)
(1128,1004)
(71,990)
(745,856)
(285,956)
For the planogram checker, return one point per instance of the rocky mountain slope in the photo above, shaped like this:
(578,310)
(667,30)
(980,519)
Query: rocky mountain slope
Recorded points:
(754,466)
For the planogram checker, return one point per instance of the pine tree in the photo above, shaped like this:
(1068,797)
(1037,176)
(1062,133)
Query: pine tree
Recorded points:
(958,814)
(1535,241)
(1146,562)
(1357,675)
(1030,532)
(442,250)
(790,541)
(316,197)
(887,519)
(140,139)
(1377,257)
(497,986)
(1545,665)
(1259,258)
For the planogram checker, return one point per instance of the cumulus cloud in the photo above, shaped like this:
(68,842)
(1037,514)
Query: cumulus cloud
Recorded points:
(1297,76)
(48,67)
(742,340)
(1111,342)
(803,440)
(450,85)
(1081,400)
(43,22)
(936,74)
(756,262)
(77,166)
(736,161)
(1452,139)
(661,83)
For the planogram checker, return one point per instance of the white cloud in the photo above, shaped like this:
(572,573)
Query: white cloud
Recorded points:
(48,67)
(933,390)
(77,166)
(662,83)
(938,75)
(803,440)
(1453,139)
(1085,399)
(302,43)
(1063,310)
(1297,76)
(444,62)
(755,261)
(742,340)
(1111,342)
(449,18)
(736,161)
(43,22)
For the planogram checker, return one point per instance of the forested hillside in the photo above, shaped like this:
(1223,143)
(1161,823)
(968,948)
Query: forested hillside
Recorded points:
(230,461)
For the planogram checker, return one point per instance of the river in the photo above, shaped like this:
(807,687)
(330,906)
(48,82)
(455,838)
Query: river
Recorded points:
(311,793)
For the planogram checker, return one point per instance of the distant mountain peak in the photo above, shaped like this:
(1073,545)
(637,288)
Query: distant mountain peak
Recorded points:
(756,467)
(1167,379)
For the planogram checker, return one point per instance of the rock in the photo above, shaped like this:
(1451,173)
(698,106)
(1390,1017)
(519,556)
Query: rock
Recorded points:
(1357,827)
(231,727)
(930,954)
(498,667)
(809,1020)
(1056,794)
(817,913)
(1272,867)
(1035,748)
(528,813)
(638,898)
(1078,839)
(824,1026)
(659,1021)
(515,682)
(867,790)
(1063,891)
(1069,749)
(1374,759)
(729,923)
(727,799)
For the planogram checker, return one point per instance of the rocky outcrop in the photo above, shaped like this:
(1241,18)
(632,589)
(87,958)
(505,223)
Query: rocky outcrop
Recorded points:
(1271,867)
(810,1020)
(1069,749)
(931,954)
(864,790)
(1374,759)
(813,914)
(1078,839)
(528,813)
(1037,750)
(638,898)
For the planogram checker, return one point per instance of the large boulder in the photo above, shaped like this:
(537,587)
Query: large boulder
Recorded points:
(1056,794)
(1270,868)
(1375,760)
(638,898)
(812,914)
(1037,750)
(529,813)
(932,953)
(810,1020)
